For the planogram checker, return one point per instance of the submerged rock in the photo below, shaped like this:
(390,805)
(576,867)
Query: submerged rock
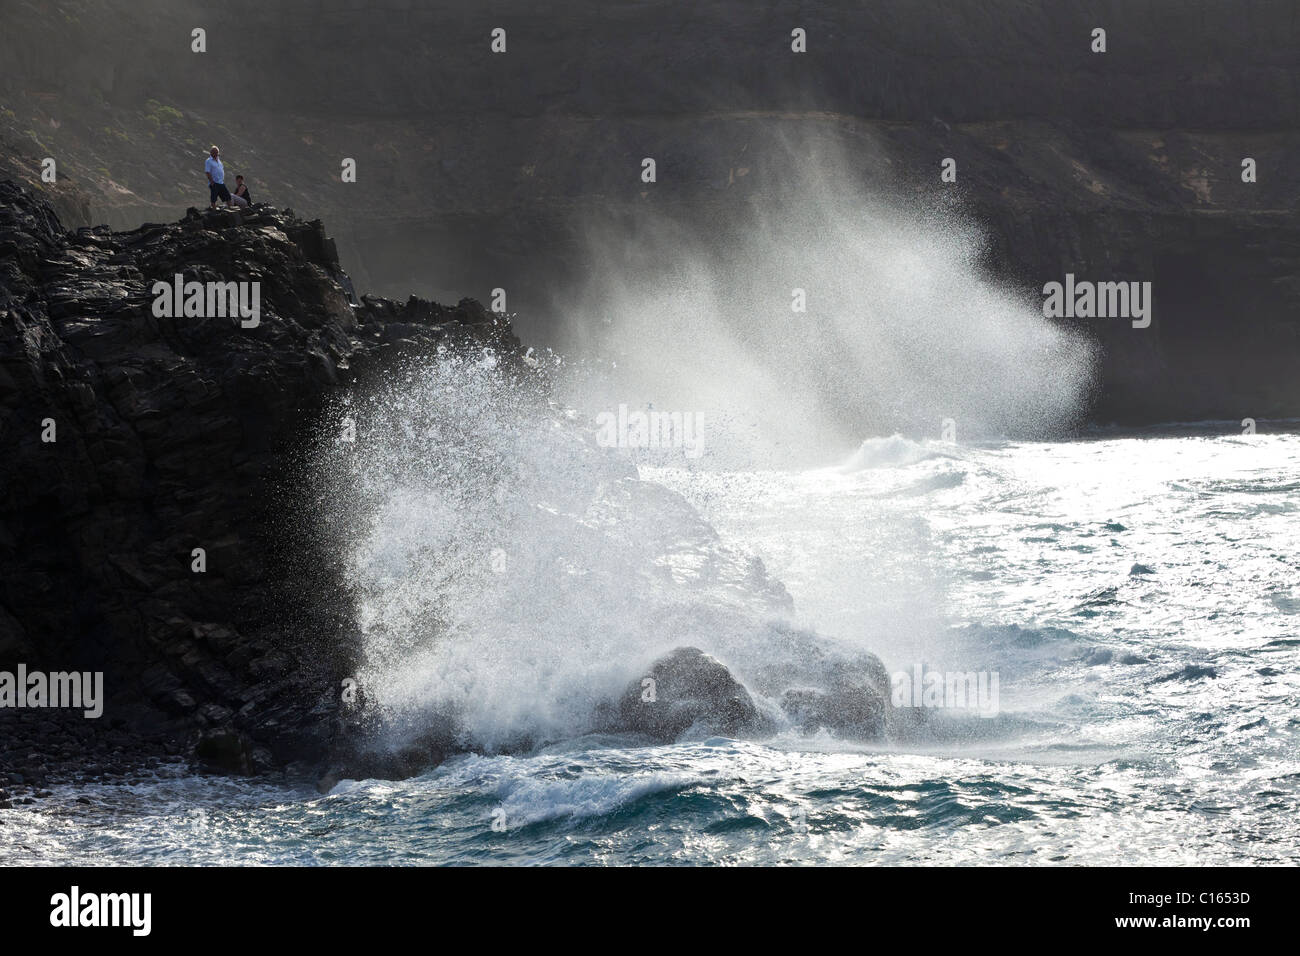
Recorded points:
(1190,672)
(370,750)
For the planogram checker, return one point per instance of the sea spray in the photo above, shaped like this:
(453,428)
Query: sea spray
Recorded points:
(506,569)
(818,314)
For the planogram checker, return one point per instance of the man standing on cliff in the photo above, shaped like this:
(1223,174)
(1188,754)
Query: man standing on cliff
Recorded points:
(216,174)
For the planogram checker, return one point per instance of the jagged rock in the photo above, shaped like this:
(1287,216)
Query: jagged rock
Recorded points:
(691,691)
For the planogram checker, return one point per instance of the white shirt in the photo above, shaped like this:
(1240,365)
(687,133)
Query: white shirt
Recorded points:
(213,166)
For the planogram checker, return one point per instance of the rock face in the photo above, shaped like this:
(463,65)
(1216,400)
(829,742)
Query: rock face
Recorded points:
(688,690)
(130,441)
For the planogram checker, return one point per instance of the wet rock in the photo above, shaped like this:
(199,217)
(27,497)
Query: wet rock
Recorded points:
(224,750)
(853,703)
(362,751)
(688,690)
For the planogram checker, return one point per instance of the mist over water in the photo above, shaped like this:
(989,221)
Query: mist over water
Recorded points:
(902,328)
(512,573)
(509,571)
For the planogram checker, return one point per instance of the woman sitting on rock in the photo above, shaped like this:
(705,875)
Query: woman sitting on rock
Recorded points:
(241,196)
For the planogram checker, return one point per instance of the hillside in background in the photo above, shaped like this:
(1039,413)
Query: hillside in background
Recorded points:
(479,170)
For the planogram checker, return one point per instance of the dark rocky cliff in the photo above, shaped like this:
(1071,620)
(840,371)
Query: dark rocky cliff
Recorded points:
(171,435)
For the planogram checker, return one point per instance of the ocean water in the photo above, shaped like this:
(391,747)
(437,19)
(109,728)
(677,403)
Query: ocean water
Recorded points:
(1136,594)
